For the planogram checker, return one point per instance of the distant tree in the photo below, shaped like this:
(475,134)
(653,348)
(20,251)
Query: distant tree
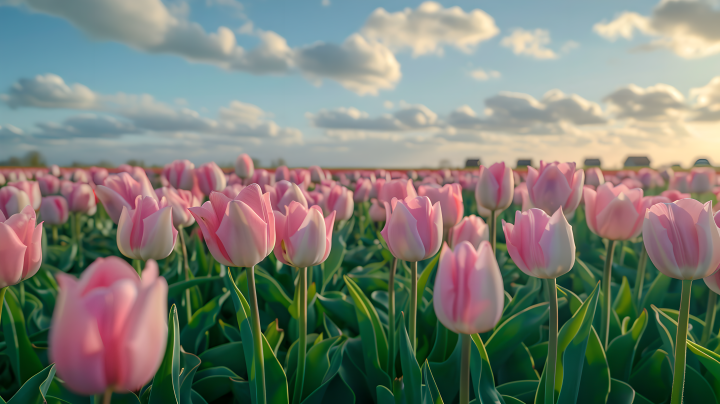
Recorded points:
(30,159)
(278,162)
(136,163)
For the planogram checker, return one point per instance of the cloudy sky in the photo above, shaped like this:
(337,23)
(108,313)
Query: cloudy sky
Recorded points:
(360,83)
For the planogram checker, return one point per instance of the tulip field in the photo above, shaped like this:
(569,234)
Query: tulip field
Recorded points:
(195,285)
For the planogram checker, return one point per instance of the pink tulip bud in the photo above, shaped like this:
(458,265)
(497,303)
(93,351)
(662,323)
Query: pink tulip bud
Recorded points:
(49,185)
(495,187)
(377,211)
(21,246)
(232,190)
(469,295)
(555,185)
(520,194)
(180,200)
(450,199)
(109,328)
(304,237)
(13,200)
(702,180)
(680,182)
(55,170)
(239,232)
(650,178)
(147,231)
(32,189)
(262,178)
(301,177)
(54,210)
(81,176)
(282,173)
(377,185)
(667,174)
(413,228)
(673,195)
(244,166)
(98,175)
(180,174)
(340,201)
(120,191)
(615,213)
(283,193)
(594,176)
(210,178)
(363,188)
(471,229)
(317,175)
(80,197)
(540,245)
(682,239)
(399,189)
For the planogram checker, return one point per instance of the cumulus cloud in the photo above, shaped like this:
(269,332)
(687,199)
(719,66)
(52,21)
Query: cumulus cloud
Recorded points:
(49,91)
(408,118)
(658,102)
(482,75)
(530,43)
(429,28)
(707,101)
(690,28)
(85,126)
(10,132)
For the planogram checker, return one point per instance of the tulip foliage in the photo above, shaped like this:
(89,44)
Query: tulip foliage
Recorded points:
(141,298)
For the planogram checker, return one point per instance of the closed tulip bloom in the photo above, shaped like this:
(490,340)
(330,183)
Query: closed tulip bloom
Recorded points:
(471,229)
(80,197)
(667,173)
(650,178)
(80,175)
(49,185)
(615,213)
(2,179)
(32,189)
(679,182)
(54,170)
(20,247)
(317,175)
(285,192)
(377,185)
(340,200)
(469,295)
(244,166)
(451,202)
(301,177)
(180,174)
(147,231)
(239,232)
(413,228)
(54,210)
(109,328)
(363,188)
(180,200)
(16,175)
(494,190)
(304,237)
(98,175)
(210,178)
(262,178)
(282,173)
(713,281)
(702,180)
(540,245)
(674,195)
(594,176)
(519,193)
(120,191)
(399,189)
(555,185)
(377,211)
(232,190)
(682,239)
(13,200)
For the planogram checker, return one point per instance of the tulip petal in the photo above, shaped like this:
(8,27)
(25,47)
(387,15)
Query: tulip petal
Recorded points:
(112,201)
(159,235)
(12,256)
(558,246)
(616,221)
(306,246)
(124,232)
(402,231)
(243,234)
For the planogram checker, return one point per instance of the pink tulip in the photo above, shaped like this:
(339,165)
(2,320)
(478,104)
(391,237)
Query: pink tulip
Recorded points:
(317,175)
(667,174)
(702,180)
(680,182)
(239,232)
(2,179)
(594,176)
(495,187)
(399,189)
(413,228)
(376,187)
(49,185)
(469,295)
(210,178)
(13,200)
(650,178)
(147,231)
(81,176)
(80,197)
(713,281)
(674,195)
(540,245)
(16,175)
(682,239)
(451,202)
(519,194)
(649,201)
(180,174)
(262,178)
(98,175)
(20,247)
(362,190)
(54,170)
(555,185)
(377,211)
(54,210)
(244,166)
(282,173)
(304,237)
(471,229)
(120,191)
(283,193)
(109,328)
(180,200)
(301,177)
(32,189)
(340,201)
(615,213)
(232,190)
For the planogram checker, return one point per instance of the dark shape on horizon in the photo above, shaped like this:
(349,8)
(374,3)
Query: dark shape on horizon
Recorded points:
(594,162)
(524,163)
(637,161)
(702,162)
(472,163)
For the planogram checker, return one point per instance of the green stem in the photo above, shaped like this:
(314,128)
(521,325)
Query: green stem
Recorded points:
(2,299)
(188,302)
(137,264)
(78,238)
(55,235)
(681,344)
(465,369)
(302,328)
(107,396)
(607,303)
(493,231)
(391,320)
(552,344)
(622,253)
(413,305)
(640,276)
(709,318)
(257,337)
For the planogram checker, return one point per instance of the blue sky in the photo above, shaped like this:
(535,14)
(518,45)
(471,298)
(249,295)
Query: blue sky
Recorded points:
(359,83)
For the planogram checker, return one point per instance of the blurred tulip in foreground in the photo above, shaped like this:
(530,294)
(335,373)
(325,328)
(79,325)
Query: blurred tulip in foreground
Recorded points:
(147,231)
(304,236)
(13,200)
(21,247)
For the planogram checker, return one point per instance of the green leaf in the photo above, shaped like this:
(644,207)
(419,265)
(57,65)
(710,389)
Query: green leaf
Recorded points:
(274,335)
(230,355)
(193,333)
(340,310)
(481,373)
(231,333)
(426,273)
(276,386)
(430,392)
(653,377)
(178,288)
(445,343)
(524,390)
(269,289)
(506,338)
(214,383)
(35,388)
(23,359)
(332,387)
(335,258)
(411,370)
(709,359)
(595,381)
(524,297)
(190,364)
(447,373)
(621,350)
(317,364)
(656,294)
(384,395)
(620,393)
(166,382)
(623,304)
(697,389)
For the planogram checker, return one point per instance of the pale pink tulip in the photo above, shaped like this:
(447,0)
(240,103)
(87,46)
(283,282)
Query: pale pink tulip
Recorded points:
(495,187)
(180,174)
(120,191)
(54,210)
(98,175)
(147,231)
(399,189)
(80,197)
(702,180)
(244,166)
(519,194)
(594,176)
(340,201)
(210,178)
(413,228)
(471,229)
(283,193)
(450,199)
(282,173)
(674,195)
(650,178)
(377,211)
(363,188)
(667,173)
(304,237)
(680,182)
(682,239)
(54,170)
(49,185)
(20,247)
(262,178)
(615,213)
(377,185)
(317,175)
(32,189)
(232,190)
(180,200)
(109,328)
(239,232)
(555,185)
(13,200)
(301,177)
(649,201)
(469,295)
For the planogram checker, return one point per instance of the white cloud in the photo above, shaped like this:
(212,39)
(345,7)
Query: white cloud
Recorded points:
(690,28)
(568,46)
(482,75)
(85,126)
(10,132)
(388,105)
(530,43)
(49,91)
(429,28)
(325,3)
(707,101)
(658,102)
(409,117)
